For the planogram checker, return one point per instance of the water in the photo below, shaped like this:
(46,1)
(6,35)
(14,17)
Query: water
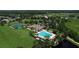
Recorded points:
(44,34)
(66,44)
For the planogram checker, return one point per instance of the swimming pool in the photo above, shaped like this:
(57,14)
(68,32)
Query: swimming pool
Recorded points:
(44,33)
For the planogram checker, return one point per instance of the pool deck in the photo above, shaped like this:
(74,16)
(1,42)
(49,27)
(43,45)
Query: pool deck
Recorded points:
(51,37)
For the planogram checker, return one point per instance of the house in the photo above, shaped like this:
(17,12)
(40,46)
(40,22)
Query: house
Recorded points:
(36,27)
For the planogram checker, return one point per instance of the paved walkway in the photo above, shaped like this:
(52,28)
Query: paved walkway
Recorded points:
(73,41)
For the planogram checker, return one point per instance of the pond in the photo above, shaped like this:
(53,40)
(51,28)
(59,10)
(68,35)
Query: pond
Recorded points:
(66,44)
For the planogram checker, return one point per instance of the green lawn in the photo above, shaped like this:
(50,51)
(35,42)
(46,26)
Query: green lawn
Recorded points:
(74,25)
(12,38)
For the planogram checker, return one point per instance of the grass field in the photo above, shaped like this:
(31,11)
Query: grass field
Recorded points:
(12,38)
(73,25)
